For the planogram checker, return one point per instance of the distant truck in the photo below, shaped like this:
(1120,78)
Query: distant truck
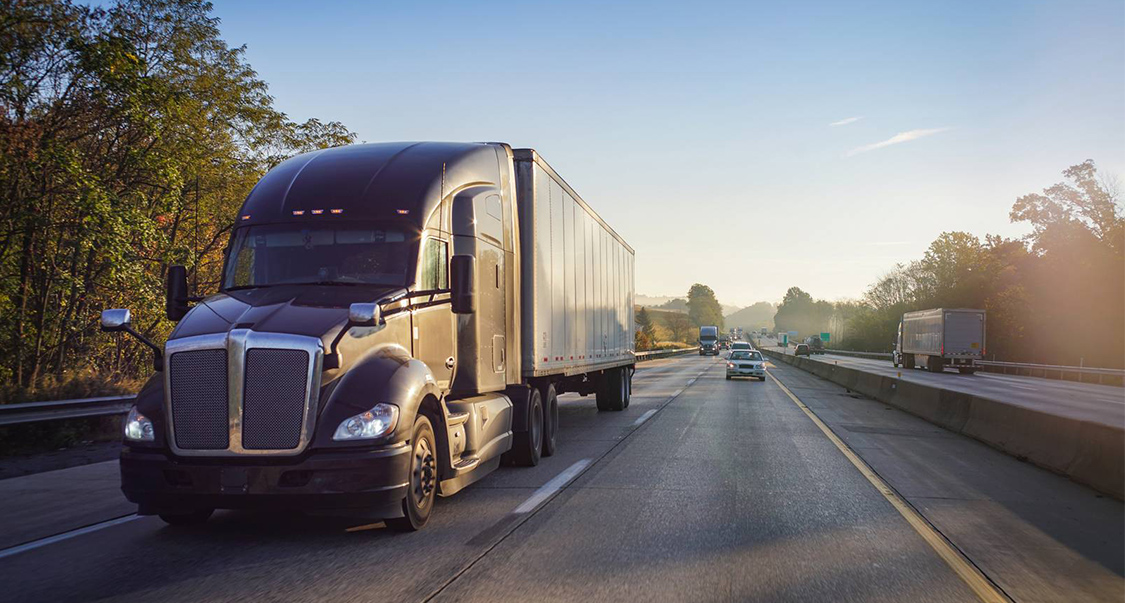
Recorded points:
(816,346)
(939,338)
(709,340)
(783,339)
(392,320)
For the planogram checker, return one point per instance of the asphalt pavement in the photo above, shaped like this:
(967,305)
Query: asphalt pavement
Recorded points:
(702,490)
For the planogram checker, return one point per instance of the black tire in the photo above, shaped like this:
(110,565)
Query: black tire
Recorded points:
(418,504)
(550,420)
(762,378)
(908,361)
(966,371)
(627,375)
(187,519)
(728,377)
(527,446)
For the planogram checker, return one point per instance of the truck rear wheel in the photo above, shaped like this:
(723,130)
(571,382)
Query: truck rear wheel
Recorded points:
(527,446)
(908,361)
(419,500)
(550,420)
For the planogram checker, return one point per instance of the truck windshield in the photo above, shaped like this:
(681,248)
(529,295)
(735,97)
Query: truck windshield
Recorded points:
(282,254)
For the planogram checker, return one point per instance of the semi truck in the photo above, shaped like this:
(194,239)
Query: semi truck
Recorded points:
(939,338)
(709,340)
(393,321)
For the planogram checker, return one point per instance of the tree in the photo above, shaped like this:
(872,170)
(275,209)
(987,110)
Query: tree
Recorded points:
(647,331)
(703,306)
(129,136)
(682,327)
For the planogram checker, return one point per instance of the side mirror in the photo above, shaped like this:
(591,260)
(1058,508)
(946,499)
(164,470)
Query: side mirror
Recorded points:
(360,314)
(364,314)
(115,320)
(176,303)
(120,320)
(463,283)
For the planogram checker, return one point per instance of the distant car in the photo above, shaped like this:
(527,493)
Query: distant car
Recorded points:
(746,363)
(740,345)
(802,350)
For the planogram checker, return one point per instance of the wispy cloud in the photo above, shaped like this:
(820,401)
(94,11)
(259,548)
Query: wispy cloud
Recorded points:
(846,121)
(896,139)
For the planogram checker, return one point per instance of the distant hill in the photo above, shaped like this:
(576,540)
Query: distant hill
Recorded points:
(678,304)
(753,317)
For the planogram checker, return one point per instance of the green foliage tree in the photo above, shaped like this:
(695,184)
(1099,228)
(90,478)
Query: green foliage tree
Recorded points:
(682,327)
(703,306)
(130,135)
(647,328)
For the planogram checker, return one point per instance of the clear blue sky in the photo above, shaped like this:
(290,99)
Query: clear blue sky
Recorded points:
(701,130)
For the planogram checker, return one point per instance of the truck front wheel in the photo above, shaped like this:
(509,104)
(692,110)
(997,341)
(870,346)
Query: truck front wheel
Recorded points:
(419,500)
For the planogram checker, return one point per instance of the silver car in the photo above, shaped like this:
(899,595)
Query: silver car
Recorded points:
(746,363)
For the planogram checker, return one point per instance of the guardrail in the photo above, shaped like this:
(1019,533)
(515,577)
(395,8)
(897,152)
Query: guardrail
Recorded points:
(654,354)
(33,412)
(1047,370)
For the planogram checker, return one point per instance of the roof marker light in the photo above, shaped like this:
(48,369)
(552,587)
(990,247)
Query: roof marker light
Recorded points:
(402,212)
(317,212)
(336,211)
(298,212)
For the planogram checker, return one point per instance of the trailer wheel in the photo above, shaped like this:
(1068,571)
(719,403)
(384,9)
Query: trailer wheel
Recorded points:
(966,371)
(550,420)
(187,519)
(908,361)
(419,500)
(527,446)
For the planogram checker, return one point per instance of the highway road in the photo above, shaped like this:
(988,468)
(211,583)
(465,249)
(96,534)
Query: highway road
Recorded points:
(1087,401)
(702,490)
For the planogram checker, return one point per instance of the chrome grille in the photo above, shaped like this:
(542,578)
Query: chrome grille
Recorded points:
(274,396)
(200,413)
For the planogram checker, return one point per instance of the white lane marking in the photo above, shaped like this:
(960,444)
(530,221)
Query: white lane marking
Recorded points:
(548,489)
(648,414)
(29,546)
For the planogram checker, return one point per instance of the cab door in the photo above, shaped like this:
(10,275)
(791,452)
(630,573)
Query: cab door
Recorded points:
(432,316)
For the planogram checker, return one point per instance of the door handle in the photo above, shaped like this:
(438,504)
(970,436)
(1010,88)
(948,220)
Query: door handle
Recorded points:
(449,362)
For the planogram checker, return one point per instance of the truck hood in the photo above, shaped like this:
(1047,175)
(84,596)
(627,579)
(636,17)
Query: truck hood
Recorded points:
(310,310)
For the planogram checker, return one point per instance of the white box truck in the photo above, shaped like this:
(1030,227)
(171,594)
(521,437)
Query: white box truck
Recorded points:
(939,338)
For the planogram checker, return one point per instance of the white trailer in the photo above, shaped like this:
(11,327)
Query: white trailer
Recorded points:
(941,337)
(577,279)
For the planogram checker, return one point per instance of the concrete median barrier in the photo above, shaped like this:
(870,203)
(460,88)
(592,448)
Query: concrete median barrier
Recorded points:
(1089,453)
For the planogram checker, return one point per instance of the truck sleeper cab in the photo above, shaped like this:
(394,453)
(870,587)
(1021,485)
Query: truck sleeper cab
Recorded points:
(394,319)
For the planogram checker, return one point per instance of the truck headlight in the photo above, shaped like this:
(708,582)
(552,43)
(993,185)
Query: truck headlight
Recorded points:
(730,365)
(138,427)
(375,423)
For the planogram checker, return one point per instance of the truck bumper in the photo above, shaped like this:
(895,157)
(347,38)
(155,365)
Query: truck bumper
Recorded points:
(374,481)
